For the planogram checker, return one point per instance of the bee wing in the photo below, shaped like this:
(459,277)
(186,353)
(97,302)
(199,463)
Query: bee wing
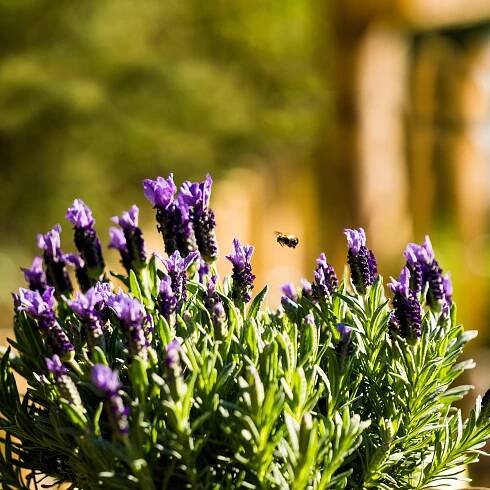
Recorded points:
(278,233)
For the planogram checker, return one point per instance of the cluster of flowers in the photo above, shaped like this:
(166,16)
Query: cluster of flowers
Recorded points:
(172,351)
(420,282)
(187,225)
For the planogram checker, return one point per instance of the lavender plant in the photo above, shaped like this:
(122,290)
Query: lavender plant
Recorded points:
(166,377)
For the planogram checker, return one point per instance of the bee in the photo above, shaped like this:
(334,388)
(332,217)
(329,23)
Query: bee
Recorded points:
(290,241)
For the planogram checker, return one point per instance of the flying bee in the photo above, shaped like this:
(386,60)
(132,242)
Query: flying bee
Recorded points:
(290,241)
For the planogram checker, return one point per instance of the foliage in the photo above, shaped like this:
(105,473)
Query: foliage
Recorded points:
(322,393)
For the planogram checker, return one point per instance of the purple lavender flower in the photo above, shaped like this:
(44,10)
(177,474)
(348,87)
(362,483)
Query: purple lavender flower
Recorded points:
(242,271)
(428,268)
(38,306)
(167,300)
(289,290)
(172,355)
(177,266)
(344,345)
(118,242)
(55,366)
(415,268)
(325,279)
(215,307)
(35,275)
(448,293)
(86,239)
(65,384)
(84,280)
(54,260)
(104,293)
(107,381)
(362,262)
(41,308)
(203,270)
(405,319)
(172,215)
(307,289)
(218,318)
(80,215)
(89,307)
(289,297)
(131,316)
(197,196)
(160,192)
(133,244)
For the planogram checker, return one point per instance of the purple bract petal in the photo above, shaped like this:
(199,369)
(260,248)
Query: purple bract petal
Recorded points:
(35,304)
(160,192)
(117,239)
(345,331)
(128,310)
(355,239)
(176,264)
(50,242)
(55,366)
(128,219)
(423,254)
(80,215)
(172,353)
(35,275)
(74,260)
(241,254)
(289,291)
(402,285)
(105,379)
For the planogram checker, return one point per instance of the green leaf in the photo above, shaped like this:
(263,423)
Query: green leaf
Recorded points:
(256,303)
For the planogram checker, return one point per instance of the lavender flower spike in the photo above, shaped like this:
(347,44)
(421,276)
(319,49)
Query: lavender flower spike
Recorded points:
(172,354)
(215,308)
(325,279)
(41,308)
(118,242)
(177,266)
(131,316)
(38,306)
(55,366)
(362,262)
(406,317)
(448,293)
(167,300)
(242,276)
(344,346)
(54,260)
(35,275)
(197,196)
(107,382)
(421,259)
(88,307)
(289,297)
(65,384)
(86,239)
(415,268)
(133,237)
(173,220)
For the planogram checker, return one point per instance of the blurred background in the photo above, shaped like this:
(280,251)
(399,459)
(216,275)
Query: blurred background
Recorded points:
(311,115)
